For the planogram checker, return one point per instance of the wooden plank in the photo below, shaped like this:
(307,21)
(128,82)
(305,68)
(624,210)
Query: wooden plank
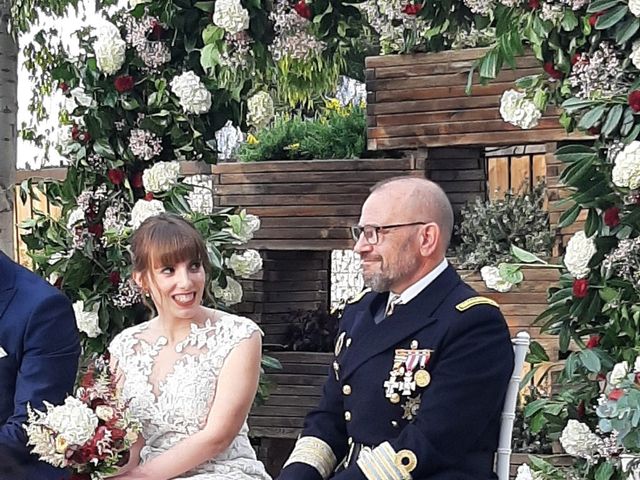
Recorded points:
(315,166)
(304,357)
(297,379)
(316,177)
(309,244)
(306,210)
(448,92)
(431,105)
(288,400)
(498,177)
(418,58)
(279,411)
(292,188)
(288,422)
(529,274)
(520,173)
(302,233)
(273,432)
(309,199)
(302,390)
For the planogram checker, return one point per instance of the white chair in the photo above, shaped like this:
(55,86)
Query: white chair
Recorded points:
(520,348)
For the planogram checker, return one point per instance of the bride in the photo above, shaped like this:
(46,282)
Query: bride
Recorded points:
(191,372)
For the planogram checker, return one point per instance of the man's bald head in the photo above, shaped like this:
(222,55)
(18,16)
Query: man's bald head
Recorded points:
(421,199)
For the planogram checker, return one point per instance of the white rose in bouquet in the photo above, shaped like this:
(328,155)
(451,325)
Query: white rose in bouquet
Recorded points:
(578,440)
(246,263)
(578,254)
(517,109)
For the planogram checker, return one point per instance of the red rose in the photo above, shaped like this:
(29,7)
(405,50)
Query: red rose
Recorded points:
(80,135)
(576,58)
(594,18)
(64,87)
(148,197)
(580,287)
(157,31)
(616,394)
(594,130)
(136,180)
(580,409)
(303,9)
(114,278)
(611,216)
(82,455)
(534,4)
(96,229)
(634,100)
(594,341)
(124,83)
(637,378)
(552,71)
(411,9)
(116,176)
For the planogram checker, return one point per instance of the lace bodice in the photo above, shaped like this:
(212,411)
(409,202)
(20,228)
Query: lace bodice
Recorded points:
(173,403)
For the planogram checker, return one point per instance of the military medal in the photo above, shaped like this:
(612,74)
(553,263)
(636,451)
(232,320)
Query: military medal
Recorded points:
(422,378)
(394,398)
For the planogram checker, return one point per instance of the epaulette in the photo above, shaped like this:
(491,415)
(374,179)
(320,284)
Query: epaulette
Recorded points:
(357,297)
(473,301)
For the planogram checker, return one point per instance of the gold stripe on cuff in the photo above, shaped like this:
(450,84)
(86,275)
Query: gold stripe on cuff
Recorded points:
(316,453)
(383,463)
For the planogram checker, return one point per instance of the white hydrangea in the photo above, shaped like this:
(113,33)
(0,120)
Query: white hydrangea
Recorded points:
(626,169)
(230,295)
(524,472)
(578,440)
(247,226)
(109,49)
(493,280)
(578,254)
(246,263)
(260,109)
(161,177)
(193,95)
(88,321)
(635,54)
(634,7)
(518,110)
(231,16)
(74,420)
(144,209)
(228,139)
(618,373)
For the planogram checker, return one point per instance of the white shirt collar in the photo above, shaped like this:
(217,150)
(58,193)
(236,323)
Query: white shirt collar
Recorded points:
(413,291)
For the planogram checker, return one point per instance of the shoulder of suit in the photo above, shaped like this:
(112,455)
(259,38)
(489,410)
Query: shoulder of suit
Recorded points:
(359,296)
(473,301)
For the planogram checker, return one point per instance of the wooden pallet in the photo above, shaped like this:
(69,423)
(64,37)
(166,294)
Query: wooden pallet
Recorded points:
(419,100)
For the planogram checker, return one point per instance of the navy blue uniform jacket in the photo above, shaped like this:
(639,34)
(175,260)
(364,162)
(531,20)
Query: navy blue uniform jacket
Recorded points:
(454,432)
(40,349)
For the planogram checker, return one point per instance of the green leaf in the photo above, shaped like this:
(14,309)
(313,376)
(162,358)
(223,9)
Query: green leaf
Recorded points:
(209,57)
(613,119)
(204,6)
(212,34)
(608,294)
(601,5)
(569,20)
(537,354)
(569,216)
(130,103)
(102,148)
(604,471)
(592,117)
(627,30)
(524,256)
(510,273)
(489,65)
(590,360)
(611,17)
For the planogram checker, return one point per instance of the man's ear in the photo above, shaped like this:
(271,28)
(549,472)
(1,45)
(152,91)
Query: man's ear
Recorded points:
(430,239)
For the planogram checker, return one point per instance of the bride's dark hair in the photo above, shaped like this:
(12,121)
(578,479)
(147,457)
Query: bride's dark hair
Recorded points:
(167,239)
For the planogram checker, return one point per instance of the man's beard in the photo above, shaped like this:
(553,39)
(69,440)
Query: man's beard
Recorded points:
(382,280)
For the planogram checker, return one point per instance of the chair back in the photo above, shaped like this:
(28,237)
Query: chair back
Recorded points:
(520,348)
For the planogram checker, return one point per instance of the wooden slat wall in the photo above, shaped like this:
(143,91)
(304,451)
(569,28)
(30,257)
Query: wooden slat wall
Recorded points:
(523,303)
(419,101)
(305,205)
(507,173)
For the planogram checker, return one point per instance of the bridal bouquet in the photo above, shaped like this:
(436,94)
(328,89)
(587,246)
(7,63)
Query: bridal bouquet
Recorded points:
(91,432)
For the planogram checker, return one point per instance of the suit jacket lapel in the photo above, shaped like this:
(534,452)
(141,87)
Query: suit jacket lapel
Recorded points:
(7,282)
(405,320)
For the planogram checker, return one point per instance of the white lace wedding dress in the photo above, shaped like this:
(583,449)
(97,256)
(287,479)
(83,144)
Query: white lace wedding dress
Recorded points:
(176,406)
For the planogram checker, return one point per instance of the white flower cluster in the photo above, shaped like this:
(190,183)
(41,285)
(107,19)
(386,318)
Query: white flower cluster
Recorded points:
(230,295)
(481,7)
(575,4)
(191,92)
(493,280)
(473,37)
(635,54)
(518,110)
(624,261)
(200,199)
(525,473)
(634,7)
(144,144)
(578,440)
(161,177)
(578,254)
(351,92)
(89,199)
(228,139)
(153,53)
(626,170)
(112,221)
(87,320)
(144,209)
(244,228)
(76,224)
(260,110)
(551,12)
(231,16)
(128,294)
(598,75)
(109,48)
(78,96)
(510,3)
(246,263)
(293,35)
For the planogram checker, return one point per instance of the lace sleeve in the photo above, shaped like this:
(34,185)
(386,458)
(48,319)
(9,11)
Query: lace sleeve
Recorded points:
(232,330)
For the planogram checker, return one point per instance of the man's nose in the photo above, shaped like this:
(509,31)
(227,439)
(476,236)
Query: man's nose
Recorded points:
(361,244)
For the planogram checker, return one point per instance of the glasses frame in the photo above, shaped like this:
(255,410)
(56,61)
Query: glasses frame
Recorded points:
(357,230)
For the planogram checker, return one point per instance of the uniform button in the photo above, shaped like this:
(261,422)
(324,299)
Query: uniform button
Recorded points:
(347,416)
(346,389)
(394,424)
(348,342)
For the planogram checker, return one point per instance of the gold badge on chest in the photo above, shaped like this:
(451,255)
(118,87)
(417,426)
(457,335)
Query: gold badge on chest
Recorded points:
(408,372)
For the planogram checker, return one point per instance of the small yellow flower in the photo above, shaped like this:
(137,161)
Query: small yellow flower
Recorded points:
(293,146)
(333,104)
(61,444)
(252,140)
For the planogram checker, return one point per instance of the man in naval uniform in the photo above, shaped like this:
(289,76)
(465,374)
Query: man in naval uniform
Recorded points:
(421,362)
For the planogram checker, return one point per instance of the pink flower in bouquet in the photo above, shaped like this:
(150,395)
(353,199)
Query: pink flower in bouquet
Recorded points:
(91,432)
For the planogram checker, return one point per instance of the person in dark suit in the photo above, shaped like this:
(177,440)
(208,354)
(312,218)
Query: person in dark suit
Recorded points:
(421,362)
(39,350)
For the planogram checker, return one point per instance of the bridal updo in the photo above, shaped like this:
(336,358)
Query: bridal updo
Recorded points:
(167,239)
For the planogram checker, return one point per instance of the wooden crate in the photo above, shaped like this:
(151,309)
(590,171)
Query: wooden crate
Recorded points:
(419,100)
(298,388)
(523,303)
(305,205)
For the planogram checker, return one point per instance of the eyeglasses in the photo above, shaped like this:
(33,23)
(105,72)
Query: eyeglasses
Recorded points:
(371,232)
